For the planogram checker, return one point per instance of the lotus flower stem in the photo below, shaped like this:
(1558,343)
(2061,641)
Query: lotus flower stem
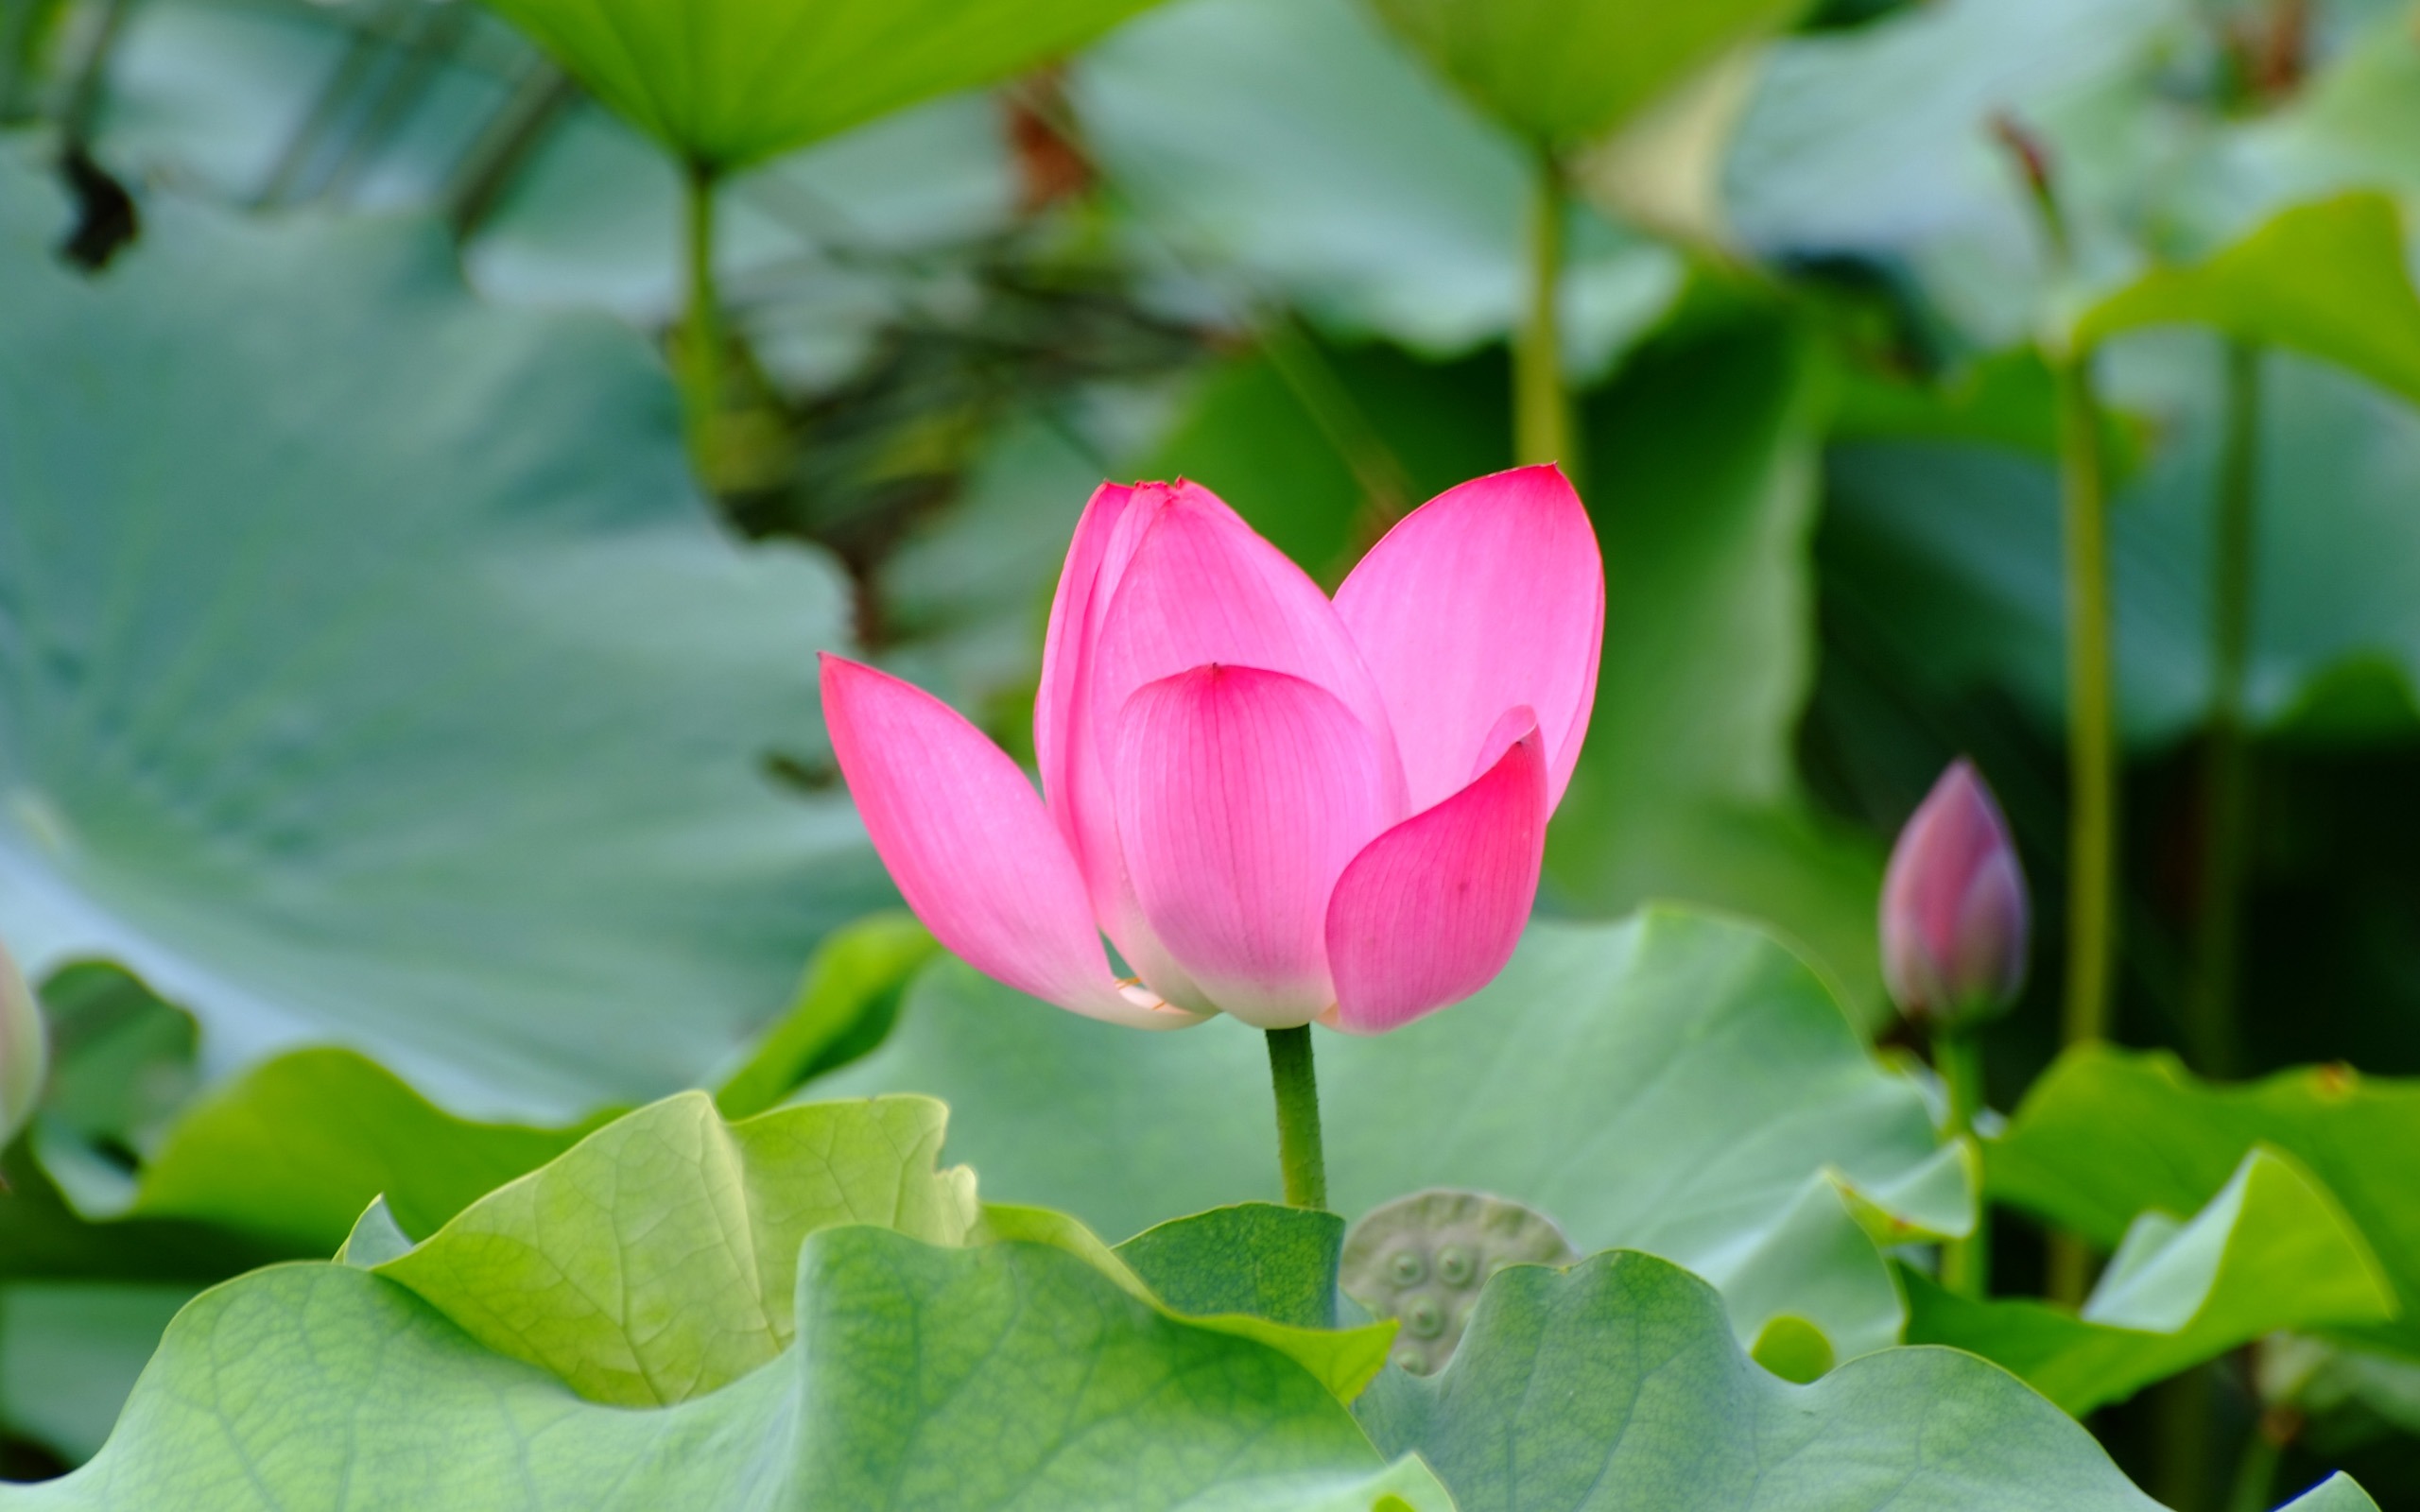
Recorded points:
(702,334)
(2092,740)
(2227,791)
(1299,1152)
(1541,409)
(1965,1264)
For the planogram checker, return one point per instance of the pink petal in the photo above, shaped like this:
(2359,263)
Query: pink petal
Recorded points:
(970,845)
(1084,585)
(1429,912)
(1241,793)
(1201,588)
(1489,595)
(1074,781)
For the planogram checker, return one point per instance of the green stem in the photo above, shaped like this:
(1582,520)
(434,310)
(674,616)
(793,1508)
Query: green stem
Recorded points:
(2092,737)
(2185,1452)
(2226,790)
(702,334)
(1299,1153)
(1541,409)
(2092,749)
(1965,1264)
(2256,1473)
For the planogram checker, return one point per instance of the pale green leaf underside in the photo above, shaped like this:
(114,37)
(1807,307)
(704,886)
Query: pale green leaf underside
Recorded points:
(728,83)
(655,1262)
(1676,1083)
(1617,1385)
(1561,69)
(2108,1134)
(2272,1250)
(377,677)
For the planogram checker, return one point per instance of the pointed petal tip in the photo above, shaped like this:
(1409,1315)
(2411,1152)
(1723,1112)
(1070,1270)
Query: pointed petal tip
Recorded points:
(968,842)
(1430,911)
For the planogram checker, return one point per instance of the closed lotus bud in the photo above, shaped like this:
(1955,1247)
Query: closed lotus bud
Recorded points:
(23,1050)
(1954,915)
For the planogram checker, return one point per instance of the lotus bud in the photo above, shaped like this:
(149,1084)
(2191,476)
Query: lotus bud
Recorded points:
(23,1050)
(1955,919)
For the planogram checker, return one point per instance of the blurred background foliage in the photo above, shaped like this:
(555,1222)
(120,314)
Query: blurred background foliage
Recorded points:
(1260,243)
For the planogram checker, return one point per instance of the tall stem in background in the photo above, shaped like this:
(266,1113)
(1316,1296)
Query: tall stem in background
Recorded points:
(1300,1154)
(701,332)
(2211,1028)
(2092,747)
(2092,735)
(1958,1055)
(1541,409)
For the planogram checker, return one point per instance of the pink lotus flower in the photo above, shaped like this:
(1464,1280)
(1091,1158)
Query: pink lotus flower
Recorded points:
(1954,915)
(1277,806)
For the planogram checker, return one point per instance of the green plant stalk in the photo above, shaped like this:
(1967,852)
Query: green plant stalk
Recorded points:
(1300,1155)
(2256,1473)
(2210,1004)
(702,330)
(2092,749)
(1541,408)
(2092,734)
(1965,1264)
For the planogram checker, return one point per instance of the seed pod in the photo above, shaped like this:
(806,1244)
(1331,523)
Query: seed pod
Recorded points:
(1423,1259)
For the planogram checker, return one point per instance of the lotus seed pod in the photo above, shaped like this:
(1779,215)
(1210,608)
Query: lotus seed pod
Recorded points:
(1955,918)
(1424,1260)
(23,1050)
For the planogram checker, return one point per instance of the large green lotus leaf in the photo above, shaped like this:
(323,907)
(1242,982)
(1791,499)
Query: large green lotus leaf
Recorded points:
(2107,1134)
(730,82)
(1009,1376)
(1616,1384)
(1558,71)
(1947,554)
(2271,1252)
(2328,280)
(1676,1083)
(375,676)
(1289,149)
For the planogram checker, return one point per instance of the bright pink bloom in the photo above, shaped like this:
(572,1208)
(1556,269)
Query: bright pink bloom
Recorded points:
(1954,914)
(1275,806)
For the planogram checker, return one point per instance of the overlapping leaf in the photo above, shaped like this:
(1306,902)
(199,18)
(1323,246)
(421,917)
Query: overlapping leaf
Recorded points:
(1676,1083)
(2107,1134)
(2270,1251)
(334,601)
